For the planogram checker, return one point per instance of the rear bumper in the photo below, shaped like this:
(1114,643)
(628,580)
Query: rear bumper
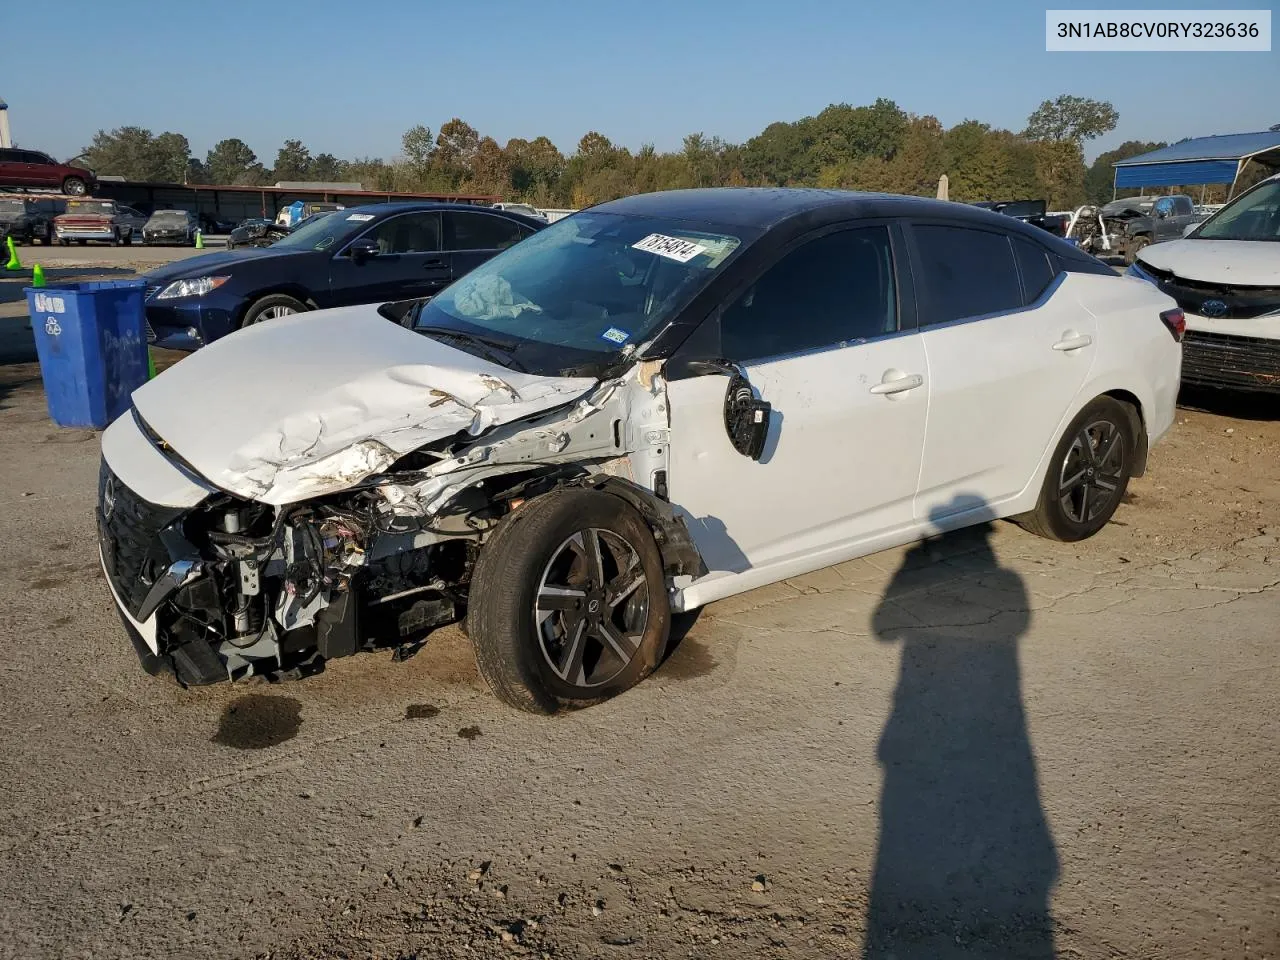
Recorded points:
(1232,362)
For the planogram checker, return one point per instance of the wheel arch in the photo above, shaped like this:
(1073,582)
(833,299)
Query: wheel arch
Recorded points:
(288,289)
(680,556)
(1138,421)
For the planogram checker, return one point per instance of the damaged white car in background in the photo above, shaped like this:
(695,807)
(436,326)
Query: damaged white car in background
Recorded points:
(648,406)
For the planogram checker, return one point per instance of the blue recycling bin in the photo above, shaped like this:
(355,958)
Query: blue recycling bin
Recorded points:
(92,345)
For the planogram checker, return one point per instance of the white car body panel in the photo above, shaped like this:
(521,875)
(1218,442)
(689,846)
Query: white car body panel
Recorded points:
(1131,353)
(852,456)
(357,393)
(1250,263)
(998,391)
(152,475)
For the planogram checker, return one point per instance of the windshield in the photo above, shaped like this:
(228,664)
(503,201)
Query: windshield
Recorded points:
(12,206)
(170,216)
(1253,216)
(573,297)
(91,206)
(321,231)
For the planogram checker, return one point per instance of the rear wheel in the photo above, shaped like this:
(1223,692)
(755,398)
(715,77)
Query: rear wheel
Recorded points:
(1088,474)
(272,307)
(568,603)
(74,187)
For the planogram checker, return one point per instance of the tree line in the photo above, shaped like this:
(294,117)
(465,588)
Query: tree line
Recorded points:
(876,147)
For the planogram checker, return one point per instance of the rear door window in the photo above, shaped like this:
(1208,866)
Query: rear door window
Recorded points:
(964,273)
(830,290)
(480,231)
(408,233)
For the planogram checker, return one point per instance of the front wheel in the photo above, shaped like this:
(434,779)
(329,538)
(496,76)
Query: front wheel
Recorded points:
(74,187)
(1088,474)
(568,603)
(272,308)
(1141,243)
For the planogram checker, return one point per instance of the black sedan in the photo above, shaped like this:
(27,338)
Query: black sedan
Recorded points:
(371,254)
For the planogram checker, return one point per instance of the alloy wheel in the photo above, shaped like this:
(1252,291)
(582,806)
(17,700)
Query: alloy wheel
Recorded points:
(1093,471)
(591,607)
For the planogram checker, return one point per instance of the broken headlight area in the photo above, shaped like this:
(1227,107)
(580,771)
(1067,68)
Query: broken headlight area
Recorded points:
(238,588)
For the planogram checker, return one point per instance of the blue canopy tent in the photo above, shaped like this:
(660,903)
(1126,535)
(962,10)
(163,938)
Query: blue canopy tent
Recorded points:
(1203,160)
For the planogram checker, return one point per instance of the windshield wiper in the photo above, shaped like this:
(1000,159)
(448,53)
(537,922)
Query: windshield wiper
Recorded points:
(503,355)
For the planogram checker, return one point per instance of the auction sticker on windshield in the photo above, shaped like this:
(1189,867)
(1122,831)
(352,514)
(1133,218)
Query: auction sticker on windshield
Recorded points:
(615,335)
(361,217)
(673,248)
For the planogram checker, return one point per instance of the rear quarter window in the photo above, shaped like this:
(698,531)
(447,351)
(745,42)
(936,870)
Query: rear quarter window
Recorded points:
(1034,269)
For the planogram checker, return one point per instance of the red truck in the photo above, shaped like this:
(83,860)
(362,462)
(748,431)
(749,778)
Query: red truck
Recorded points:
(98,220)
(35,170)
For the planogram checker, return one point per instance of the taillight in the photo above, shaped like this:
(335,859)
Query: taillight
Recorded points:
(1176,322)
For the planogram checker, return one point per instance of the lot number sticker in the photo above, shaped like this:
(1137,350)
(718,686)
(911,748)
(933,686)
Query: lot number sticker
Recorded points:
(615,335)
(361,217)
(673,248)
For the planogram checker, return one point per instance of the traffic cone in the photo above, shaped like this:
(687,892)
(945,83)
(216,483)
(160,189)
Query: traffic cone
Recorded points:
(14,263)
(199,239)
(151,364)
(37,275)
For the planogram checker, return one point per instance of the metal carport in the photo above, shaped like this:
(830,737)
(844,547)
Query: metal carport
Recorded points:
(1202,160)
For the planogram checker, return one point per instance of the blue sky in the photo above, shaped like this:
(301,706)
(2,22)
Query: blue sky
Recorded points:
(348,78)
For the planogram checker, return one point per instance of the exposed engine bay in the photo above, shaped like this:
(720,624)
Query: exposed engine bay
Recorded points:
(234,587)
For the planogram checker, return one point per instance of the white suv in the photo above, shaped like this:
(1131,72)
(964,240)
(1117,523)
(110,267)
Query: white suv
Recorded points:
(1225,274)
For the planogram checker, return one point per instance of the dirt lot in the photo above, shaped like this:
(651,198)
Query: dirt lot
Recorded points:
(990,746)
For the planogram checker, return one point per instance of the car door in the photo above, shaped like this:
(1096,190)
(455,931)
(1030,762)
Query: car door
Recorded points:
(13,168)
(408,265)
(42,170)
(821,336)
(472,237)
(1008,351)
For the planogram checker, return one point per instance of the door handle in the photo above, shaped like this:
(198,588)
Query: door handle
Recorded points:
(1068,344)
(427,264)
(898,385)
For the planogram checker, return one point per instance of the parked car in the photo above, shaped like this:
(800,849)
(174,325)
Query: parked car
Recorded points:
(1134,223)
(1033,212)
(524,208)
(385,251)
(39,171)
(263,233)
(653,404)
(29,218)
(255,232)
(1225,275)
(171,227)
(86,220)
(294,213)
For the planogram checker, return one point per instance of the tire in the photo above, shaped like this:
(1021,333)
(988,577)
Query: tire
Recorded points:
(1082,488)
(543,551)
(1138,244)
(74,187)
(272,307)
(48,236)
(127,239)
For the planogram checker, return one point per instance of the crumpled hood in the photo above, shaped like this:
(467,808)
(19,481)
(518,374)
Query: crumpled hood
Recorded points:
(307,405)
(1251,263)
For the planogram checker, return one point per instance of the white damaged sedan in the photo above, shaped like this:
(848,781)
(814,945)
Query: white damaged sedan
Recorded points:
(648,406)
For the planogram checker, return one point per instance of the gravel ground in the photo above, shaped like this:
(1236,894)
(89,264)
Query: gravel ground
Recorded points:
(988,746)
